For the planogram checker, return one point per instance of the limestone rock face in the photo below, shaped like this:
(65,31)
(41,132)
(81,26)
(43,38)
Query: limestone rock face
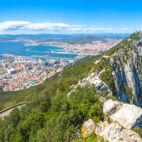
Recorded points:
(122,118)
(126,115)
(109,106)
(132,77)
(114,132)
(127,71)
(92,79)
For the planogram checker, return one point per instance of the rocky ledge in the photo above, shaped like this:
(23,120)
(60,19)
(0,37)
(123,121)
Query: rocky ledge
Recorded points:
(119,121)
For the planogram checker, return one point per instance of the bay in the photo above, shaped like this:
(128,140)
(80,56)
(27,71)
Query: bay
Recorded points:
(19,49)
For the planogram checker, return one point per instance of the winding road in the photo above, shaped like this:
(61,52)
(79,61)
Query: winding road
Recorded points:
(7,111)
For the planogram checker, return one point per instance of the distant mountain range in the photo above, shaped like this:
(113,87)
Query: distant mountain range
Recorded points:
(69,38)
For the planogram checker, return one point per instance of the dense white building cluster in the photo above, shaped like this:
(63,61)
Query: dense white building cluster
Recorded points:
(17,73)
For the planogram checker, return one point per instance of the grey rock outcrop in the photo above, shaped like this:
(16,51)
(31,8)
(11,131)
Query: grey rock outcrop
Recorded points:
(126,115)
(114,132)
(126,64)
(92,79)
(120,119)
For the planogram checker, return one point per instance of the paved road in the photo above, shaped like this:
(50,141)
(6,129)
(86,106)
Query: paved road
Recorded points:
(7,111)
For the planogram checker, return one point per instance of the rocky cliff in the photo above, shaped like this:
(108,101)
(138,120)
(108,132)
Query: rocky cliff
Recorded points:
(118,73)
(126,67)
(120,119)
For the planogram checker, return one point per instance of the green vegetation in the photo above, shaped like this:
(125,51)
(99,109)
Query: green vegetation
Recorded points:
(128,92)
(106,74)
(52,117)
(92,138)
(107,77)
(62,81)
(126,43)
(138,130)
(103,64)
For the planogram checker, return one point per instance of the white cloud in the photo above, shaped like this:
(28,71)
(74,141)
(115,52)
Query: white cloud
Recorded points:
(125,29)
(13,25)
(103,29)
(47,27)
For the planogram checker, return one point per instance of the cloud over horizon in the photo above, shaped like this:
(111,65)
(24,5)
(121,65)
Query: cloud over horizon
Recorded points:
(49,27)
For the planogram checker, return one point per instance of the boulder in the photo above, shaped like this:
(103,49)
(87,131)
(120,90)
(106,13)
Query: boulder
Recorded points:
(114,132)
(88,128)
(110,106)
(126,115)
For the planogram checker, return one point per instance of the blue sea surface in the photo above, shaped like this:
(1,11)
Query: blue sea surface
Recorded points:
(18,48)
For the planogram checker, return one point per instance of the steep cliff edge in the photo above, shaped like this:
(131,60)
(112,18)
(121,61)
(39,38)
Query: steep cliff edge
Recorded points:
(118,72)
(127,70)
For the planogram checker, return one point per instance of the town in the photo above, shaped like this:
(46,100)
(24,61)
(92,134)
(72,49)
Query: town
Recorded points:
(81,49)
(19,72)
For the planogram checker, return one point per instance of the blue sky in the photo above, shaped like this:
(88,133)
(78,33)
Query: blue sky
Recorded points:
(70,16)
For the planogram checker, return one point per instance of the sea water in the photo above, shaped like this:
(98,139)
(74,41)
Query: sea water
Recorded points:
(20,49)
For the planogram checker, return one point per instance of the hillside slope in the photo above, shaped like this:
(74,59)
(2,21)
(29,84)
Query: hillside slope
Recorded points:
(78,96)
